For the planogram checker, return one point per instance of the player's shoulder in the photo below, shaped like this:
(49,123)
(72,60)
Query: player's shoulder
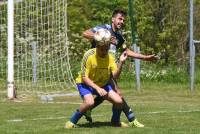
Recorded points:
(89,53)
(108,26)
(104,26)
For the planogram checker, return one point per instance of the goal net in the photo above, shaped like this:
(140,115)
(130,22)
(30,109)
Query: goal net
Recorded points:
(41,61)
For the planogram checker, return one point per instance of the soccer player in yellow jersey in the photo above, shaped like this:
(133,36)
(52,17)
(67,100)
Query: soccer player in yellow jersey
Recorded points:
(96,69)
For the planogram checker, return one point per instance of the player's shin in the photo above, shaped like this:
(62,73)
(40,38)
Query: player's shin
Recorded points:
(76,116)
(116,115)
(127,111)
(98,100)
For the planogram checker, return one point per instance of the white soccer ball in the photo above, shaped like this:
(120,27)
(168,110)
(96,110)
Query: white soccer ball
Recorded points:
(102,35)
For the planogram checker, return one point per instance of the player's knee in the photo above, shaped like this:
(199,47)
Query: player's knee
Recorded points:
(89,102)
(119,101)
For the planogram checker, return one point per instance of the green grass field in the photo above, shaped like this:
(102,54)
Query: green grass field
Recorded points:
(162,108)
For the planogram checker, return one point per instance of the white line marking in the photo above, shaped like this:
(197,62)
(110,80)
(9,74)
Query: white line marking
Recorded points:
(72,103)
(49,118)
(35,119)
(57,118)
(165,112)
(15,120)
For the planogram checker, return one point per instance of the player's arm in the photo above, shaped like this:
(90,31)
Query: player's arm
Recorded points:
(88,34)
(141,56)
(116,73)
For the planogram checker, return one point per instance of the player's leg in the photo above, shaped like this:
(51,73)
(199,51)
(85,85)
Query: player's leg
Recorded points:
(97,101)
(115,120)
(130,115)
(117,101)
(126,109)
(88,102)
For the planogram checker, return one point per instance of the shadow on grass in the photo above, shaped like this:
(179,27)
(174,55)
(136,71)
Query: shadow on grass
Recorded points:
(95,124)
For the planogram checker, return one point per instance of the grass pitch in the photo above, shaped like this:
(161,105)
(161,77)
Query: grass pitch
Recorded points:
(162,108)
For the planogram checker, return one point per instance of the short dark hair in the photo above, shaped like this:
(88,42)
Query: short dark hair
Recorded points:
(119,11)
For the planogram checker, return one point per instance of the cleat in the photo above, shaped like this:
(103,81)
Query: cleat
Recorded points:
(69,125)
(135,123)
(120,124)
(88,116)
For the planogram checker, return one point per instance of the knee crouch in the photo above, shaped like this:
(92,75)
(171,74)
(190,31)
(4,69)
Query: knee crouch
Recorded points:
(89,102)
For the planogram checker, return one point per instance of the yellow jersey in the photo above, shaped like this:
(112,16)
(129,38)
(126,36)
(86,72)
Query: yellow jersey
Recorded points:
(96,68)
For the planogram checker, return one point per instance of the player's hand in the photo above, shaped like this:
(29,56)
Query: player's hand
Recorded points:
(113,40)
(151,57)
(123,57)
(102,92)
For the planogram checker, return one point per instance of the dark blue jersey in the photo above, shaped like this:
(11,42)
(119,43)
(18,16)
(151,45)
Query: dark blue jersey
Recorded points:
(119,37)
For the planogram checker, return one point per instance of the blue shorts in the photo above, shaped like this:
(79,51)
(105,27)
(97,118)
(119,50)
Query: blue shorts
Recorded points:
(85,89)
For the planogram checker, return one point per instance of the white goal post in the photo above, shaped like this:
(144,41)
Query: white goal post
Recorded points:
(11,92)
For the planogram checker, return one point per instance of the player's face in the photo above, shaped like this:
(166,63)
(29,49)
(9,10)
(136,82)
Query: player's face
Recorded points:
(118,21)
(102,51)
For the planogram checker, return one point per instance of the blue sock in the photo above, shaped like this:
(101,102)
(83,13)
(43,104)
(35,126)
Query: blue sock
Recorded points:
(116,115)
(76,116)
(130,115)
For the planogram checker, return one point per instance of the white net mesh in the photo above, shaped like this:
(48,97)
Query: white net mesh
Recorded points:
(41,60)
(3,45)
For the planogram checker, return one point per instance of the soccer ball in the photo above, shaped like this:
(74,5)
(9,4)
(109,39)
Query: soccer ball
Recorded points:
(102,35)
